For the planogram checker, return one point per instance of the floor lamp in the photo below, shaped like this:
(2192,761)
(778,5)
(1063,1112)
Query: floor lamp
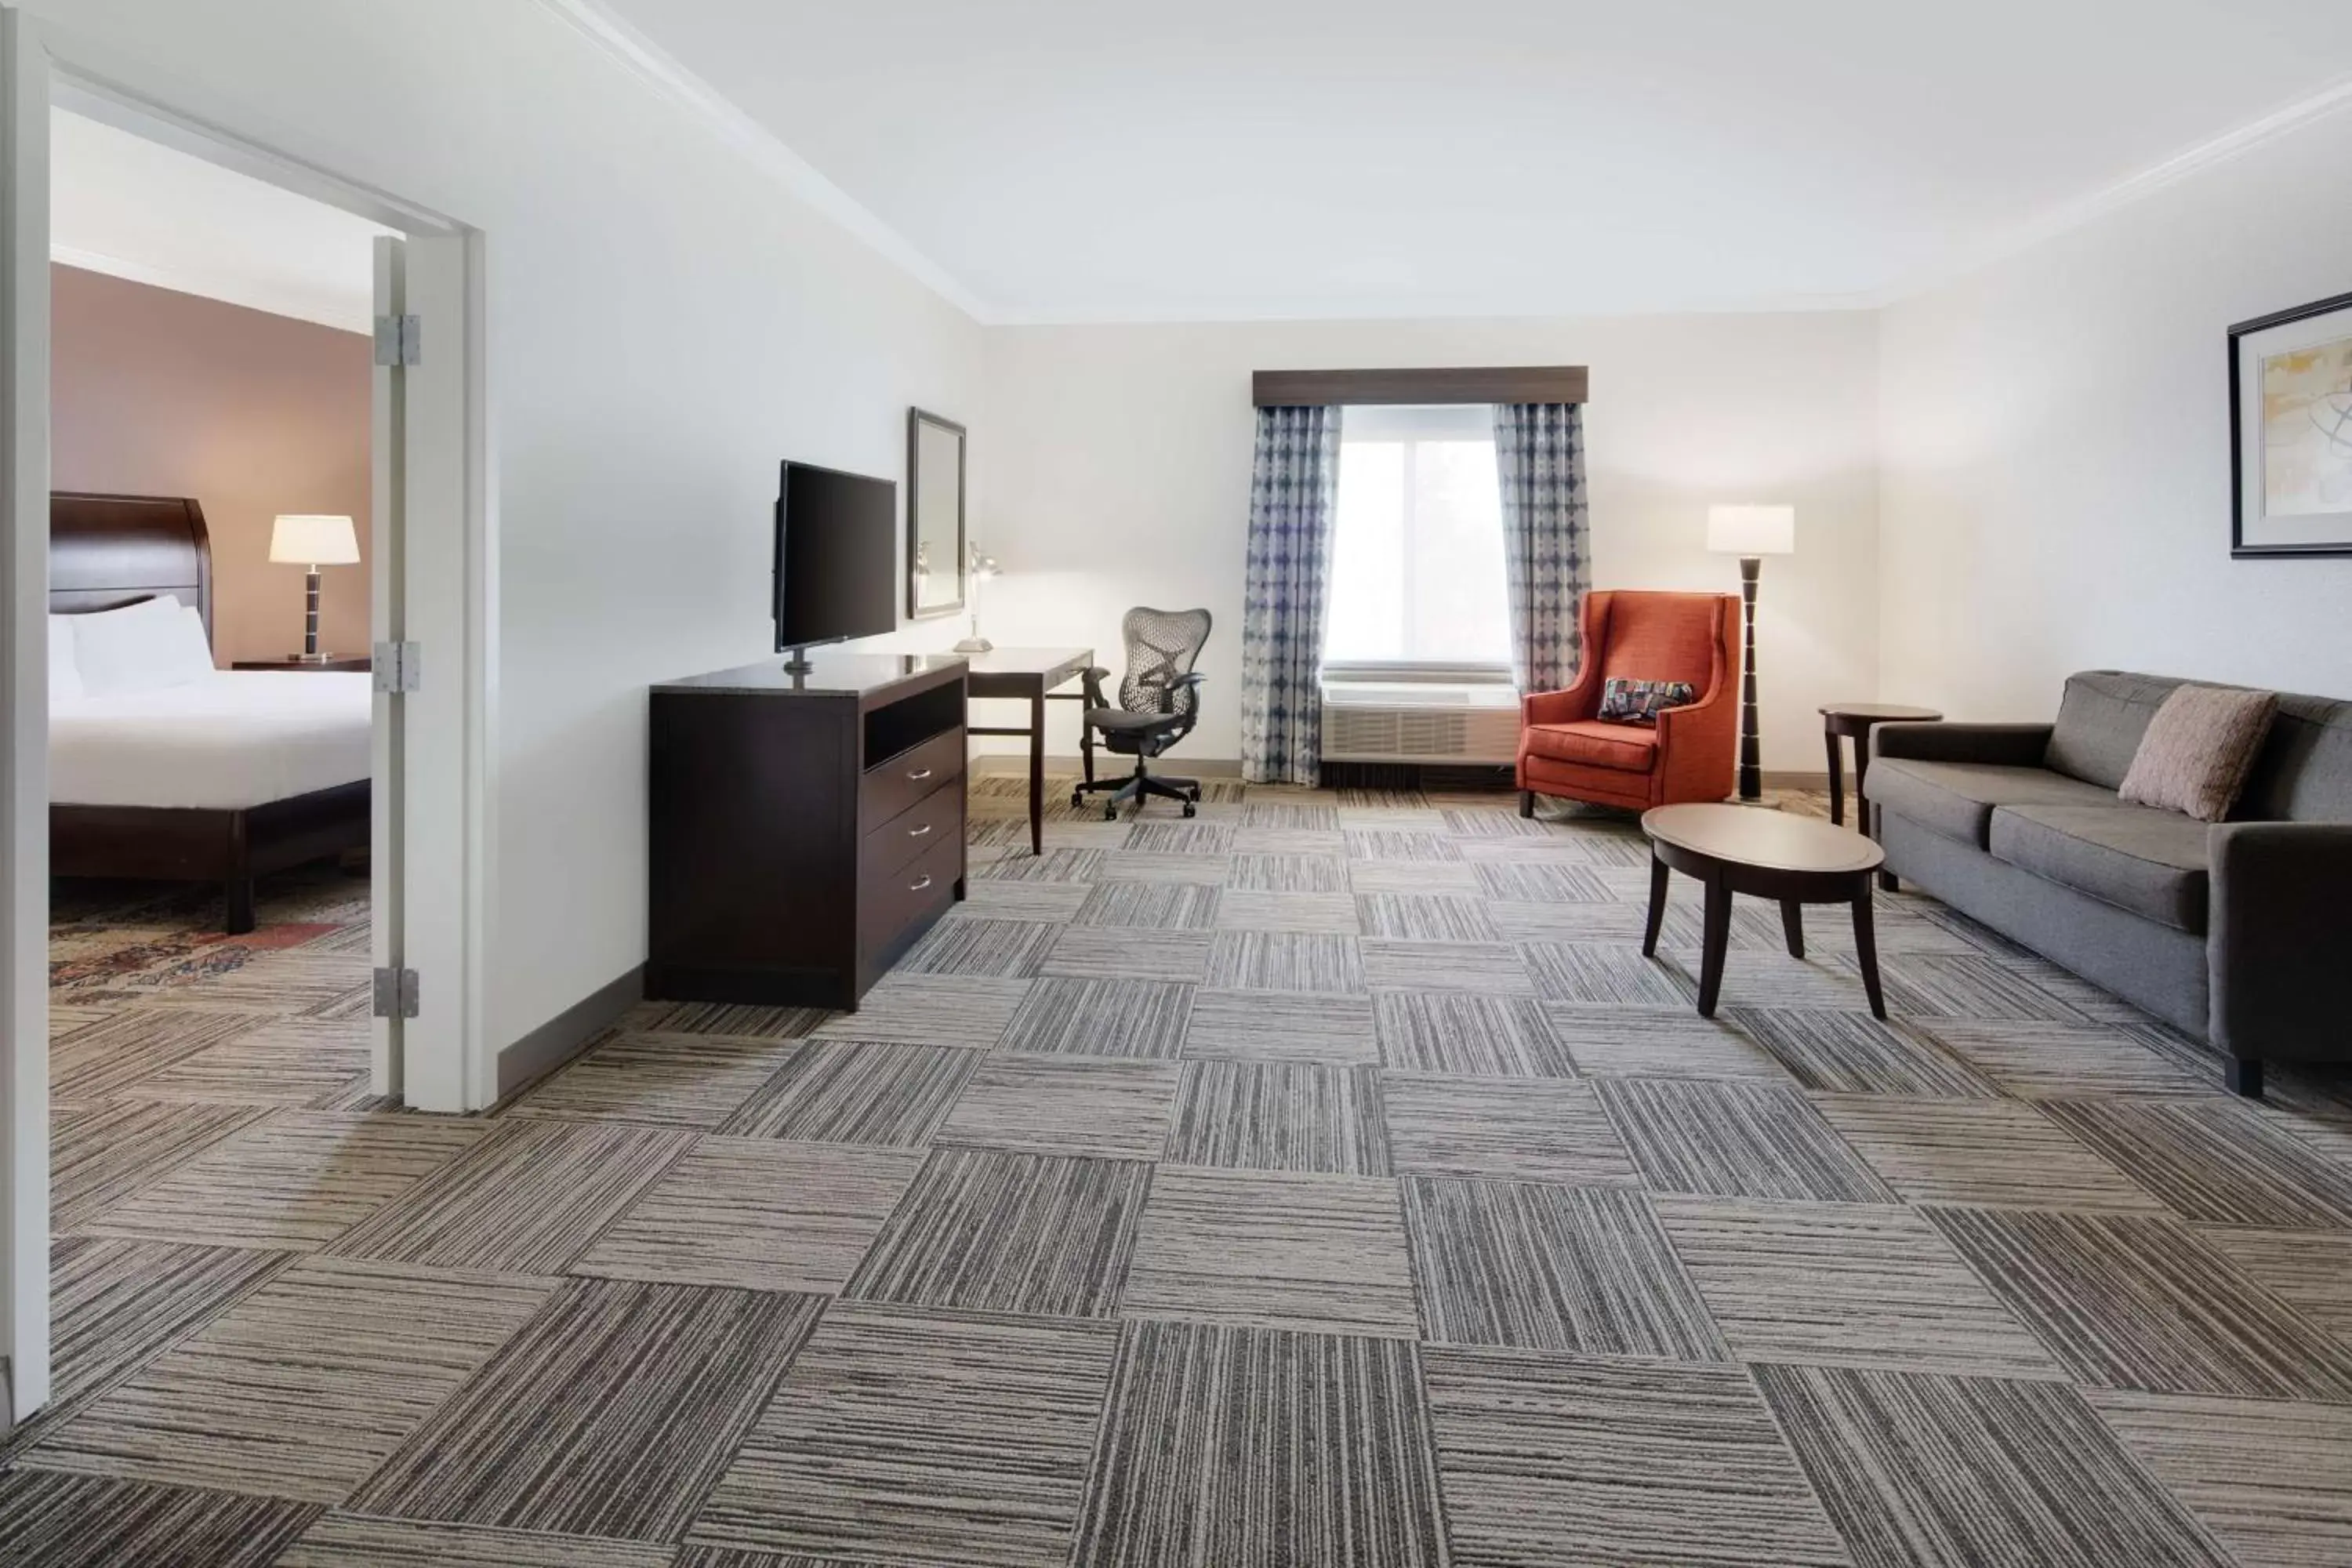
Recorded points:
(1750,533)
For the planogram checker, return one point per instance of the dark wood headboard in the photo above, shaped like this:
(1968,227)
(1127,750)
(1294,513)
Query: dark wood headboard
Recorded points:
(109,551)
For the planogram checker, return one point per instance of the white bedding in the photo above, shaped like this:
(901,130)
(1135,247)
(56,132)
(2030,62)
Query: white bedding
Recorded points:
(235,738)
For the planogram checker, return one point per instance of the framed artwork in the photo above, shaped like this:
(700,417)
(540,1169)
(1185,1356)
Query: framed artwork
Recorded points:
(2291,431)
(935,534)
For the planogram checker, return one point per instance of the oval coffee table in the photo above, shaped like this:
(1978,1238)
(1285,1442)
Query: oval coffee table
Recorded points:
(1792,860)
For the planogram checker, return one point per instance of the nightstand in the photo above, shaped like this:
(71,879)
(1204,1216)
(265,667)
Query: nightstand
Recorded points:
(359,663)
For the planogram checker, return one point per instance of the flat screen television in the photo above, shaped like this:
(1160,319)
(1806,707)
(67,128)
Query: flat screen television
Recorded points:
(836,557)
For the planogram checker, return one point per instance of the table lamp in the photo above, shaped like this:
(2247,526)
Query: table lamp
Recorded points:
(1750,533)
(311,539)
(981,566)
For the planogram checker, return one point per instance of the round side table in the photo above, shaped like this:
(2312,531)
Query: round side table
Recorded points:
(1855,721)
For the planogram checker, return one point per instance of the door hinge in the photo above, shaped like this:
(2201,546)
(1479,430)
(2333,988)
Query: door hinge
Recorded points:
(399,666)
(399,340)
(396,993)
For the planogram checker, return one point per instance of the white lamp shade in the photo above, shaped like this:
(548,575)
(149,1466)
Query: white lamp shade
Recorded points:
(309,539)
(1751,530)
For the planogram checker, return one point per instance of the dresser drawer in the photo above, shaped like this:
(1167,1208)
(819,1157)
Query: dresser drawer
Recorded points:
(890,787)
(934,820)
(888,903)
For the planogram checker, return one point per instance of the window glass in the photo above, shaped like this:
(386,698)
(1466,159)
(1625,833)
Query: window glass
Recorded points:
(1417,543)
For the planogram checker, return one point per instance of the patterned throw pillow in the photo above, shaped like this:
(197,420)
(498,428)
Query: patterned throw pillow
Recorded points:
(2199,749)
(1626,701)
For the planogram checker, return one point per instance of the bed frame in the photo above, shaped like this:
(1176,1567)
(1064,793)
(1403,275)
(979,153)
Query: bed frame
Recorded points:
(106,552)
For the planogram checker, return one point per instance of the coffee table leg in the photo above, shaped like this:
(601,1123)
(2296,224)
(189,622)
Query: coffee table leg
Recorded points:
(1837,779)
(1658,875)
(1718,936)
(1865,949)
(1792,925)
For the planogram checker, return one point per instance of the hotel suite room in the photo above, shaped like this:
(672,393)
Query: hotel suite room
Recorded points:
(1536,495)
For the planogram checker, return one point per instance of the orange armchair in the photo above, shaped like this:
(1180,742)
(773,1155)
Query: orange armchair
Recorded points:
(1565,749)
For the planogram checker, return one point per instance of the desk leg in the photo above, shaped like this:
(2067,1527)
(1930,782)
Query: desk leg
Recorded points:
(1038,773)
(1837,779)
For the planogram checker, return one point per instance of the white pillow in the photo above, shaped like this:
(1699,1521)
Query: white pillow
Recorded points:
(65,675)
(146,646)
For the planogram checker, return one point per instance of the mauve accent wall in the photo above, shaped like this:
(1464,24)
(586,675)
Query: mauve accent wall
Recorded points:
(155,392)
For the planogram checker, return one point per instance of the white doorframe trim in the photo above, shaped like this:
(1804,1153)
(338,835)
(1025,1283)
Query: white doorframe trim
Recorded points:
(41,64)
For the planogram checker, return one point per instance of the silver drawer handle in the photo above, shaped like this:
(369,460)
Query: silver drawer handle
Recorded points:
(919,832)
(918,777)
(918,886)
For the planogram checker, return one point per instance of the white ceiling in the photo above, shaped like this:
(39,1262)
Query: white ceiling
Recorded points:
(1203,158)
(136,209)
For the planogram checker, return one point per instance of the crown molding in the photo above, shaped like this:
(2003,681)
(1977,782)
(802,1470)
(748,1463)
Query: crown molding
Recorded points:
(353,315)
(2126,192)
(662,71)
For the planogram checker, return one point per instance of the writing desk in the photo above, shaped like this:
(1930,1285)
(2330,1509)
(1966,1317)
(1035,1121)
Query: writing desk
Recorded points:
(1027,674)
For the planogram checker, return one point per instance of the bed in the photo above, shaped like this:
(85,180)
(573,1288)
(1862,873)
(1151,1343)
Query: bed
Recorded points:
(221,779)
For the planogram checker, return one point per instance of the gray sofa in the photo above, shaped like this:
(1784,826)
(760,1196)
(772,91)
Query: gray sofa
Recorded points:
(2239,932)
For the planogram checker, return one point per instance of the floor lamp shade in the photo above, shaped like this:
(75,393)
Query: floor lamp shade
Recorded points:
(313,540)
(1750,533)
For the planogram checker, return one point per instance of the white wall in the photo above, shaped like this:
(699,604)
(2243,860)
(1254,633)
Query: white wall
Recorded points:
(2056,450)
(667,324)
(1117,465)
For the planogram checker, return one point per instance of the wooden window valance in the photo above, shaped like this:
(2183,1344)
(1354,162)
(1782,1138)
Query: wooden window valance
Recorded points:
(1500,384)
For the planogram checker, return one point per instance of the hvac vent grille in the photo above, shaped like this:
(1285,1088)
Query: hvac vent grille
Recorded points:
(1419,734)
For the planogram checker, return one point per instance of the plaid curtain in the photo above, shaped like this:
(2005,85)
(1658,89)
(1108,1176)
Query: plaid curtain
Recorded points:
(1293,493)
(1547,537)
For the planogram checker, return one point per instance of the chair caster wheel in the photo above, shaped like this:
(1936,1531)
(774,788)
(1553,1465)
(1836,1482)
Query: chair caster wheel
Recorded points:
(1078,799)
(1110,813)
(1188,809)
(1196,795)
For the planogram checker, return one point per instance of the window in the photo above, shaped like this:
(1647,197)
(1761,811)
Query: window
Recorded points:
(1417,545)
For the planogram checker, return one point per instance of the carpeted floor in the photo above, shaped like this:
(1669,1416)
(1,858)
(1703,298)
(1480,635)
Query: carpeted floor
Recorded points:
(1327,1180)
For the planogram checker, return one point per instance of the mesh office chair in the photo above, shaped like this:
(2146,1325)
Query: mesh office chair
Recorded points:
(1158,704)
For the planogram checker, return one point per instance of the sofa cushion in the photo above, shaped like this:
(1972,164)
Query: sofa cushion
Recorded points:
(2101,720)
(1957,799)
(2151,863)
(2199,749)
(2304,772)
(1629,748)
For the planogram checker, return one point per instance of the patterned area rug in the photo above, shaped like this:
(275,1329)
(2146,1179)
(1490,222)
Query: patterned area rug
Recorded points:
(1326,1180)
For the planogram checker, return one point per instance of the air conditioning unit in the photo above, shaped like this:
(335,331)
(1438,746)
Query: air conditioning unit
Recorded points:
(1419,722)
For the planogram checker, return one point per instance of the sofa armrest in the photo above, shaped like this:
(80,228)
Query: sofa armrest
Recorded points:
(2274,949)
(2002,745)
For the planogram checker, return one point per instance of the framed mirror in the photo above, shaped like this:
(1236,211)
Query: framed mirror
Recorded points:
(935,524)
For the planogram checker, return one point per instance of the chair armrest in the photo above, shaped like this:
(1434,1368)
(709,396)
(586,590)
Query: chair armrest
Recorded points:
(1573,704)
(2274,949)
(1094,678)
(1699,743)
(2001,745)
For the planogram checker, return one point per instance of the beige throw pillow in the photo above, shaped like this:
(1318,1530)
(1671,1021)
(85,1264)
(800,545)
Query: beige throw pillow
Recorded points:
(2199,749)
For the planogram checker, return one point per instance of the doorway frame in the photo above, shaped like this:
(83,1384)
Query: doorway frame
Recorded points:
(442,1059)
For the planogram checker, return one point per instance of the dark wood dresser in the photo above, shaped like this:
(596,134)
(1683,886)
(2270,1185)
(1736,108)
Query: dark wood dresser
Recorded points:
(803,831)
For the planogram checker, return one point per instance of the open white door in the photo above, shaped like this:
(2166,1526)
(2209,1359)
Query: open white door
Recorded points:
(24,714)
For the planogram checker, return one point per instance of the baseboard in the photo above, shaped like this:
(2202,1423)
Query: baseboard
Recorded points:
(559,1039)
(1816,781)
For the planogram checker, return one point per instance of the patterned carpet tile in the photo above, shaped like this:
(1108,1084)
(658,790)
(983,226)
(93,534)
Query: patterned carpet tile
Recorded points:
(2035,1059)
(350,1540)
(1284,813)
(1490,968)
(610,1415)
(1535,882)
(2309,1269)
(1155,906)
(110,1058)
(1280,1025)
(1393,844)
(303,1388)
(1956,985)
(528,1198)
(1979,1153)
(989,1231)
(1003,899)
(1105,1106)
(1412,877)
(671,1080)
(2272,1482)
(1056,865)
(1320,964)
(288,1061)
(1963,1471)
(1596,924)
(1511,1129)
(1164,866)
(1608,974)
(1181,837)
(935,1441)
(839,1091)
(1258,1448)
(1728,1138)
(755,1215)
(88,1522)
(300,983)
(1121,953)
(1321,841)
(929,1010)
(999,950)
(1280,1116)
(1845,1284)
(1101,1018)
(1253,1249)
(1647,1042)
(1551,1459)
(1854,1053)
(1467,1035)
(99,1156)
(1764,975)
(733,1021)
(1327,914)
(2214,1160)
(2141,1303)
(1582,1270)
(293,1182)
(1424,917)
